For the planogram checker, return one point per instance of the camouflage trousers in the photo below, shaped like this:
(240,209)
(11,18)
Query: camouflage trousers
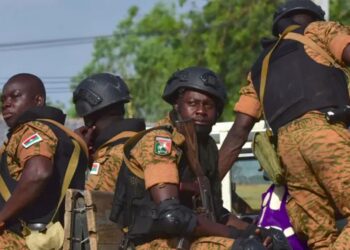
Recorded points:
(202,243)
(316,159)
(11,241)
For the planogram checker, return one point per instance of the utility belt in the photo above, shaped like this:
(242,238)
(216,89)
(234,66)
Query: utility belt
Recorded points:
(334,116)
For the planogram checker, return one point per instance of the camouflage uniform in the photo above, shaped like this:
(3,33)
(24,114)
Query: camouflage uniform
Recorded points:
(17,155)
(202,243)
(315,154)
(106,166)
(156,167)
(11,241)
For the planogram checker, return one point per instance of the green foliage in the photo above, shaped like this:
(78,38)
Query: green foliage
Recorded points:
(340,11)
(224,36)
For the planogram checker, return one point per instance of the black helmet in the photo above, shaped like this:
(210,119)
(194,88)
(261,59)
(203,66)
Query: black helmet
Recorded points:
(99,91)
(293,6)
(196,78)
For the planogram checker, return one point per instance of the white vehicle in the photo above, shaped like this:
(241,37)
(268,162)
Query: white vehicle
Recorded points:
(244,168)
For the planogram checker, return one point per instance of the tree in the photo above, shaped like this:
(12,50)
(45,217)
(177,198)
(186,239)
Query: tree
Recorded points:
(339,11)
(224,35)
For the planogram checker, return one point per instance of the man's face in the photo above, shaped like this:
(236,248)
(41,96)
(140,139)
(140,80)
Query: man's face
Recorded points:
(199,107)
(16,99)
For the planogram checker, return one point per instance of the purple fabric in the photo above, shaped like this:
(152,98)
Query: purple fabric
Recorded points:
(274,214)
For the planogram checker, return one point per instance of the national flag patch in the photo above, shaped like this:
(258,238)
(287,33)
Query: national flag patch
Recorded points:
(31,140)
(95,168)
(162,145)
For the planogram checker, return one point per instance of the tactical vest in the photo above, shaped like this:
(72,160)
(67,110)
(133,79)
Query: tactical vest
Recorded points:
(132,206)
(42,210)
(297,84)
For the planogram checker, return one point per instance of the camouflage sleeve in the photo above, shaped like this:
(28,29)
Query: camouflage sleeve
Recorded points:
(157,156)
(333,37)
(105,169)
(38,139)
(248,102)
(33,139)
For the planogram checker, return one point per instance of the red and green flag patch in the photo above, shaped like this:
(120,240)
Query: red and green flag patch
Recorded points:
(95,168)
(162,145)
(31,140)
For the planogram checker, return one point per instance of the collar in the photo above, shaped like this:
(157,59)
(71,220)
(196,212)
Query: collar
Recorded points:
(35,113)
(118,127)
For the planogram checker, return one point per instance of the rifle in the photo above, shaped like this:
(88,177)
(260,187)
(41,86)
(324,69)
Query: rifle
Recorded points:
(187,129)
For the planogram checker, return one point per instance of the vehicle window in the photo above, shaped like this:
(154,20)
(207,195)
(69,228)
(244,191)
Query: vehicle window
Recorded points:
(248,181)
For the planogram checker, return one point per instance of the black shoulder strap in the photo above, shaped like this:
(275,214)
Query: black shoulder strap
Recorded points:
(69,132)
(117,142)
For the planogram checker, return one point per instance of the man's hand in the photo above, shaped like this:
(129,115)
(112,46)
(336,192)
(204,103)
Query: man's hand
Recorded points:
(266,239)
(254,233)
(87,134)
(236,222)
(278,239)
(271,238)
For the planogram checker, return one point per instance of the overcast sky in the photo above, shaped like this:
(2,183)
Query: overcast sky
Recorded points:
(35,20)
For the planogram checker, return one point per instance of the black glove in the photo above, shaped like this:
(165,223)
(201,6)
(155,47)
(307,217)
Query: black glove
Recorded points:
(248,238)
(251,243)
(279,240)
(237,233)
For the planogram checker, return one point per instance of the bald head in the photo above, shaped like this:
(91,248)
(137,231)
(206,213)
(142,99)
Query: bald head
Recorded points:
(30,83)
(20,93)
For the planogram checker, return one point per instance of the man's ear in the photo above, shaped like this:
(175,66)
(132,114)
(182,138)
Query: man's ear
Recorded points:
(39,100)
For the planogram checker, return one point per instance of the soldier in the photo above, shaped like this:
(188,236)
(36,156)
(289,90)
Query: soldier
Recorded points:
(100,100)
(151,199)
(304,85)
(34,160)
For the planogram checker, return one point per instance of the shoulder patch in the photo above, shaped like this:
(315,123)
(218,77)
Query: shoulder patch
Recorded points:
(95,168)
(31,140)
(162,145)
